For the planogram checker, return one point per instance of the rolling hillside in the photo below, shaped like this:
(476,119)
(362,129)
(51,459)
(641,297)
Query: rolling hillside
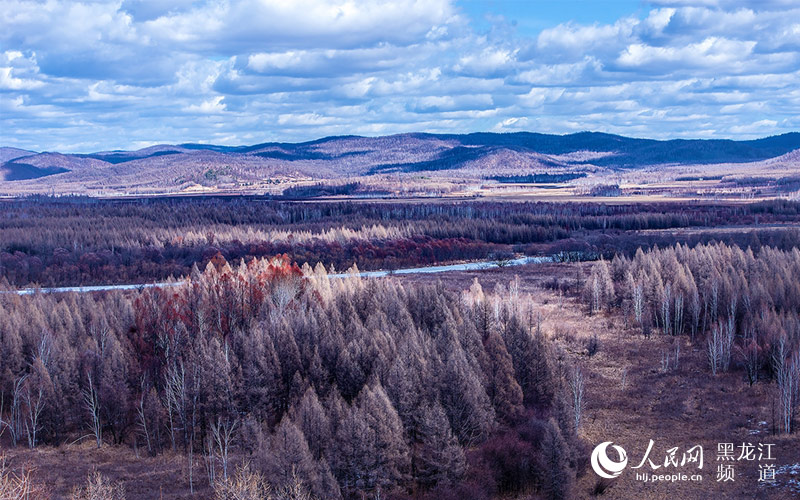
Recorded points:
(272,167)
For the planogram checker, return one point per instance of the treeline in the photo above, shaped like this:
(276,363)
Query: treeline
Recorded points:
(69,242)
(342,387)
(149,264)
(544,178)
(741,307)
(322,189)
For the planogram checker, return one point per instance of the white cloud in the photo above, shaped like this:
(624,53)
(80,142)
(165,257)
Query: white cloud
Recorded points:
(304,119)
(10,55)
(264,62)
(761,126)
(729,4)
(574,41)
(512,124)
(709,53)
(109,74)
(658,19)
(489,62)
(540,95)
(251,24)
(10,82)
(561,74)
(208,107)
(476,102)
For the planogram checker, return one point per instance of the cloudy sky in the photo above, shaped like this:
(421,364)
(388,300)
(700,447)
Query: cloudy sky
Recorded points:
(95,75)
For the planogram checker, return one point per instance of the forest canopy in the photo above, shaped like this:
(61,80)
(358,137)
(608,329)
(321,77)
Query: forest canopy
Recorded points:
(352,385)
(75,241)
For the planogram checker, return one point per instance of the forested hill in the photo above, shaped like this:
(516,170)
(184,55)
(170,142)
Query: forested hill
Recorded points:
(632,152)
(627,151)
(481,154)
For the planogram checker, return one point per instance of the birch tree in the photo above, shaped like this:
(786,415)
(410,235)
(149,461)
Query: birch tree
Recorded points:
(92,405)
(576,389)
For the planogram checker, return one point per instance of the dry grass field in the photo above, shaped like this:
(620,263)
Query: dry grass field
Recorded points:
(631,400)
(60,470)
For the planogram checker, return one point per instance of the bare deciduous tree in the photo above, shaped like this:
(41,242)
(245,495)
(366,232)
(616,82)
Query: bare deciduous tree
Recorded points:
(719,348)
(787,370)
(728,333)
(14,421)
(576,389)
(714,350)
(92,404)
(695,312)
(678,315)
(666,303)
(665,361)
(174,401)
(749,352)
(195,395)
(209,460)
(222,433)
(638,302)
(34,404)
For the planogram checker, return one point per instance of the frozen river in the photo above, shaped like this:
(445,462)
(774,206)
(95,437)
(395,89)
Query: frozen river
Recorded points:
(468,266)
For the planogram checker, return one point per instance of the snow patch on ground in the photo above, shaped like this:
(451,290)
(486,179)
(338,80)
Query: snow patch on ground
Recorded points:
(787,475)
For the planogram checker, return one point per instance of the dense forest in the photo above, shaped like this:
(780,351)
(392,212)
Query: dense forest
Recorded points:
(70,241)
(741,307)
(336,387)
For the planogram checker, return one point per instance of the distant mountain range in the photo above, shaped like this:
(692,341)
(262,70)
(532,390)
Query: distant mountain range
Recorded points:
(478,155)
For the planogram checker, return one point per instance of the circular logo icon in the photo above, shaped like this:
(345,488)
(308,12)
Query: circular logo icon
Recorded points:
(603,465)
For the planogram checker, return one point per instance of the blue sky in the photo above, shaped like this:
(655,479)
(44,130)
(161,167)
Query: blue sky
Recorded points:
(532,16)
(98,75)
